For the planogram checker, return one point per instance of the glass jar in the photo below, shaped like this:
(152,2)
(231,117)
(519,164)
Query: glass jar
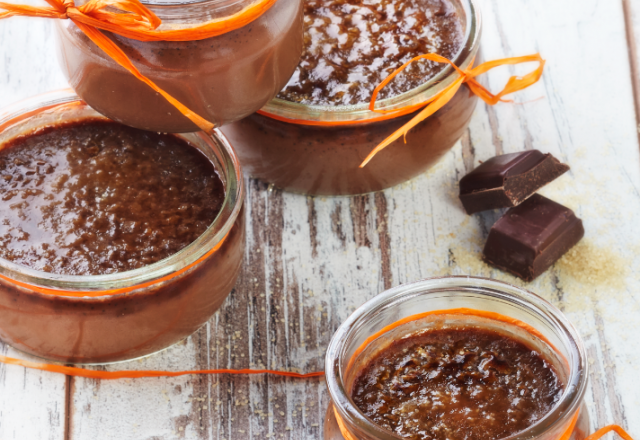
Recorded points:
(120,316)
(222,78)
(324,160)
(352,341)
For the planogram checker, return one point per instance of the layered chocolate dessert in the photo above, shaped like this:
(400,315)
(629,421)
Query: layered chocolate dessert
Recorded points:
(116,242)
(222,79)
(455,383)
(317,139)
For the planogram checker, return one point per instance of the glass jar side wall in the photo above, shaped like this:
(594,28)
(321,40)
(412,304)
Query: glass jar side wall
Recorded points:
(123,326)
(324,160)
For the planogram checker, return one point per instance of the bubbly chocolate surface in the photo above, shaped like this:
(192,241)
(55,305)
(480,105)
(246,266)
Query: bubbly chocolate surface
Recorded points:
(457,384)
(352,45)
(97,197)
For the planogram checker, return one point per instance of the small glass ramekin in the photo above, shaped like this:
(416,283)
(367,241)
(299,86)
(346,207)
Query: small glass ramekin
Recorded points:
(284,145)
(121,316)
(222,78)
(352,341)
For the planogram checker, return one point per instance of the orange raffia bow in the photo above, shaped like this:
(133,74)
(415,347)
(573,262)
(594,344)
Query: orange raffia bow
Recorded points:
(132,19)
(438,101)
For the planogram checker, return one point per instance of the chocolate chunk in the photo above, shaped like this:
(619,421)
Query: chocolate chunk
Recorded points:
(508,180)
(532,236)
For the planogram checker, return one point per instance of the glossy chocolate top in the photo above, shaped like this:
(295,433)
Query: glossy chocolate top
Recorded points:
(98,197)
(457,383)
(493,172)
(352,45)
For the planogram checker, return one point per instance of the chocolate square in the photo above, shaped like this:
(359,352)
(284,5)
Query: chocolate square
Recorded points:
(508,180)
(529,238)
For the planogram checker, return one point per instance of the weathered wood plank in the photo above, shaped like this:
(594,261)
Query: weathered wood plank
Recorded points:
(32,404)
(310,262)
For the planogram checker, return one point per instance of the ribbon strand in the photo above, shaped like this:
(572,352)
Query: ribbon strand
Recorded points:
(111,375)
(468,77)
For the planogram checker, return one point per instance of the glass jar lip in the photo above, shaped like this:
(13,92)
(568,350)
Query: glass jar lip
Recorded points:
(214,235)
(207,3)
(360,112)
(184,14)
(566,408)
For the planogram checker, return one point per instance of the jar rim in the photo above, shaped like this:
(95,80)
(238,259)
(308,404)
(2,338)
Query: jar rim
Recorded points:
(420,94)
(172,3)
(184,14)
(214,235)
(562,412)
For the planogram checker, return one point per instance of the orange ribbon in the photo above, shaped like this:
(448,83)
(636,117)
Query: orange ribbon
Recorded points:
(607,429)
(468,77)
(110,375)
(438,101)
(132,19)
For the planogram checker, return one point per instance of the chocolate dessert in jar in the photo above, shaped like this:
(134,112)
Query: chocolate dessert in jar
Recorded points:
(456,357)
(313,136)
(117,242)
(221,78)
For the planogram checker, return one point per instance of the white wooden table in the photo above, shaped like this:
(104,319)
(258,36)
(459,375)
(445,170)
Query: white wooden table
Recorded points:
(310,262)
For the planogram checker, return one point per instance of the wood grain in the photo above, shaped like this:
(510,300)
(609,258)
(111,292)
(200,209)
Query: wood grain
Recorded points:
(311,261)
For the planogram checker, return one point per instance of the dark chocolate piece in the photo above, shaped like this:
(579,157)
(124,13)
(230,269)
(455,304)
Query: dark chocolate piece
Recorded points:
(508,180)
(529,238)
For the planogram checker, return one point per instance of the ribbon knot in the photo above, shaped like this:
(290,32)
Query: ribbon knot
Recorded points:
(115,14)
(110,15)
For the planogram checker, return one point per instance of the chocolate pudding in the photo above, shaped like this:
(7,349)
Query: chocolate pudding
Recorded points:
(222,78)
(97,197)
(457,383)
(116,242)
(325,160)
(350,48)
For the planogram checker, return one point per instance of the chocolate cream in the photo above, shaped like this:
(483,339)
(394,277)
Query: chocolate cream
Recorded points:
(350,47)
(457,383)
(97,197)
